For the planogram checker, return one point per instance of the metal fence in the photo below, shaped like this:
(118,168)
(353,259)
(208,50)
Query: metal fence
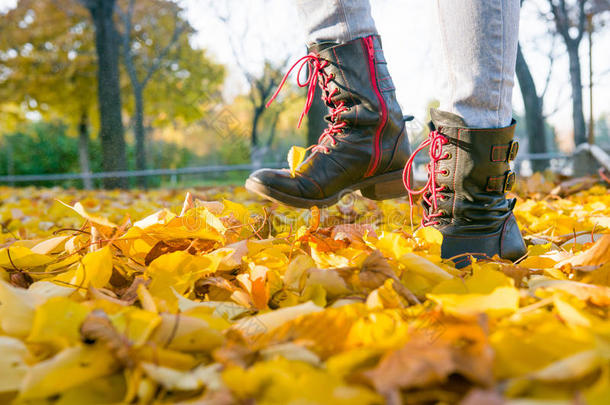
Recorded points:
(34,178)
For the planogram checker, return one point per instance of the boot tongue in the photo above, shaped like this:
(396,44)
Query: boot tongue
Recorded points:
(446,119)
(321,46)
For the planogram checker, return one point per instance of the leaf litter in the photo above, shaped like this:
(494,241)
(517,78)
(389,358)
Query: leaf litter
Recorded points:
(215,297)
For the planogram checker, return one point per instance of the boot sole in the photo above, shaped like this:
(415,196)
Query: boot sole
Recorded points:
(383,187)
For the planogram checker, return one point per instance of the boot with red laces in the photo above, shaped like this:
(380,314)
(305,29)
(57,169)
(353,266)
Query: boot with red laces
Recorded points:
(365,146)
(464,197)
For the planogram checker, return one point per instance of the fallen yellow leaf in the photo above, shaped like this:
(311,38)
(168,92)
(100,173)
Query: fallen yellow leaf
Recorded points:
(296,155)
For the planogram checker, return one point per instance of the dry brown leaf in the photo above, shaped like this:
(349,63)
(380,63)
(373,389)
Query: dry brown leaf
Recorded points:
(100,294)
(216,288)
(97,328)
(130,294)
(518,273)
(166,246)
(353,233)
(429,359)
(596,255)
(573,186)
(323,241)
(419,363)
(376,269)
(193,246)
(20,279)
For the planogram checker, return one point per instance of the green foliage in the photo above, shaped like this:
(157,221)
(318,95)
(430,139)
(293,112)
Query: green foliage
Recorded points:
(46,147)
(236,152)
(41,147)
(171,155)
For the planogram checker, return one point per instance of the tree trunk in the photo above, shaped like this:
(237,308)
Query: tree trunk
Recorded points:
(255,153)
(140,134)
(258,111)
(273,130)
(578,117)
(10,159)
(534,119)
(83,150)
(112,134)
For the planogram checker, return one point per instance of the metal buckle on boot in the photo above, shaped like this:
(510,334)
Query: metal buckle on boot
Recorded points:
(512,151)
(509,183)
(505,152)
(501,184)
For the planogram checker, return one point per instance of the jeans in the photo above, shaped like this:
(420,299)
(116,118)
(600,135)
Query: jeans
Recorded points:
(479,49)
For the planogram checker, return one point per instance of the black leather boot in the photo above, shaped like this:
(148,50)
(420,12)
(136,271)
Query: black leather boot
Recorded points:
(365,145)
(464,198)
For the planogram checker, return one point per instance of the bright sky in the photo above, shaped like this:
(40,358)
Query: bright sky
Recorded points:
(270,29)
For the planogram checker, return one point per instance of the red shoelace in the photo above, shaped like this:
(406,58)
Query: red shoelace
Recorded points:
(316,70)
(429,192)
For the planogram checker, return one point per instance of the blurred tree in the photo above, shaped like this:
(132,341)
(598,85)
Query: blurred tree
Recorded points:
(48,64)
(156,45)
(534,117)
(261,89)
(596,7)
(534,105)
(570,23)
(155,14)
(112,134)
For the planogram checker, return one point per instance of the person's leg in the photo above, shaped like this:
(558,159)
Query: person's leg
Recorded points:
(335,20)
(365,145)
(472,144)
(479,47)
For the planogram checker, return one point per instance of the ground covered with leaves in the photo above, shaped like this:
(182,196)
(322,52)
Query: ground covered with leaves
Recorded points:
(214,297)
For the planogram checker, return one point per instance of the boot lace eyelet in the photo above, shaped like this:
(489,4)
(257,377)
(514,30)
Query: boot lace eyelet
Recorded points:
(317,76)
(447,156)
(430,192)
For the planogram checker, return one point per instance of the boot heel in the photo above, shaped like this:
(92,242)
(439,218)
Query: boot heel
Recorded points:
(385,189)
